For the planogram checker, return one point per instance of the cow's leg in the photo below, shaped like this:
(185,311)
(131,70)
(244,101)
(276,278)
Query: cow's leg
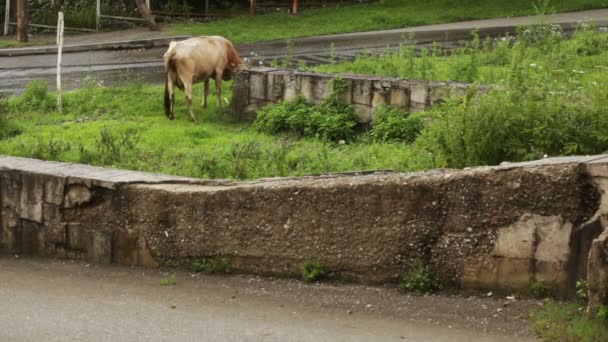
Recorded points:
(170,98)
(218,89)
(188,91)
(205,93)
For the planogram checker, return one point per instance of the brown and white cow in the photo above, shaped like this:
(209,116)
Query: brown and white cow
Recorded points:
(196,60)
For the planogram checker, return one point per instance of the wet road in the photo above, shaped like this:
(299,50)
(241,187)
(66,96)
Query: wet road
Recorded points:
(126,66)
(65,301)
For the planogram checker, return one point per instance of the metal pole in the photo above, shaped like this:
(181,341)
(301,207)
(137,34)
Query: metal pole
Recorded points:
(206,7)
(252,8)
(148,5)
(97,14)
(7,16)
(59,51)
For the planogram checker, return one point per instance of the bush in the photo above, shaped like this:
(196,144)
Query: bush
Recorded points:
(582,290)
(312,270)
(538,290)
(35,98)
(327,122)
(213,265)
(420,279)
(393,125)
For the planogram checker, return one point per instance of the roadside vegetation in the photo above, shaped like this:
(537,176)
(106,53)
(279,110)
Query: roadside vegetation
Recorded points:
(385,14)
(550,100)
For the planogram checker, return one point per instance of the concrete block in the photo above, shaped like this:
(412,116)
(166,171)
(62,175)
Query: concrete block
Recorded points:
(99,247)
(400,98)
(419,95)
(10,185)
(31,239)
(292,85)
(30,197)
(363,114)
(380,98)
(144,256)
(439,92)
(240,94)
(517,240)
(54,232)
(554,239)
(276,80)
(552,274)
(362,92)
(322,89)
(76,195)
(8,226)
(257,85)
(125,248)
(514,273)
(479,273)
(76,238)
(346,96)
(51,213)
(307,87)
(53,190)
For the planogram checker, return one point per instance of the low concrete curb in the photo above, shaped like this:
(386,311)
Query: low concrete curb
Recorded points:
(116,45)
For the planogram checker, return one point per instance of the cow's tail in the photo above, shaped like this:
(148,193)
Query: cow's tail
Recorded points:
(170,73)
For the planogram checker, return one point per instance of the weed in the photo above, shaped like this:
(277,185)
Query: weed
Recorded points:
(312,270)
(393,125)
(602,314)
(35,98)
(168,280)
(582,290)
(420,279)
(555,321)
(213,265)
(538,290)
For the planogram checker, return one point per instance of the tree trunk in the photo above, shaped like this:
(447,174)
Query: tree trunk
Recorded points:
(145,12)
(22,20)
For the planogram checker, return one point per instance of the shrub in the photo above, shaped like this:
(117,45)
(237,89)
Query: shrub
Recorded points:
(312,270)
(393,125)
(602,314)
(213,265)
(420,279)
(582,290)
(538,290)
(35,98)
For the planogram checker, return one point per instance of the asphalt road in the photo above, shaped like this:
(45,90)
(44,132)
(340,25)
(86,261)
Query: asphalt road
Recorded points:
(120,67)
(66,301)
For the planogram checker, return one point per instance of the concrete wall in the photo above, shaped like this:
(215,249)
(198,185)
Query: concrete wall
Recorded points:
(258,87)
(492,228)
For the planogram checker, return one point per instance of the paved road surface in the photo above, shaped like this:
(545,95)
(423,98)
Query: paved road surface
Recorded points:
(119,67)
(66,301)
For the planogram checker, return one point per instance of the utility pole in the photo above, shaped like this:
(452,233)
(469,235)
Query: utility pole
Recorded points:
(294,10)
(22,20)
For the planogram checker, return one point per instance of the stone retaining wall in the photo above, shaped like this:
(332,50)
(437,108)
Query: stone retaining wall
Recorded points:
(258,87)
(499,227)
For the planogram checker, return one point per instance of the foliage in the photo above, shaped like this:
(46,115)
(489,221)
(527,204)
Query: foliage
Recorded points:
(330,122)
(387,14)
(538,290)
(582,290)
(555,321)
(393,125)
(420,279)
(35,98)
(213,265)
(312,270)
(602,314)
(168,280)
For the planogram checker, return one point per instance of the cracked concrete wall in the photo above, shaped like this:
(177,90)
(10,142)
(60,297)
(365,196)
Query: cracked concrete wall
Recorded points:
(498,227)
(258,87)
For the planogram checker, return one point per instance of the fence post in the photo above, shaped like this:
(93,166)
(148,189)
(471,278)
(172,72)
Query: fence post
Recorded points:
(59,50)
(7,16)
(97,14)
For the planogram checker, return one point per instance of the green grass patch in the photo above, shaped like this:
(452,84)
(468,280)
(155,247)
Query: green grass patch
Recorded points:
(212,265)
(4,43)
(386,14)
(555,321)
(420,279)
(169,280)
(312,270)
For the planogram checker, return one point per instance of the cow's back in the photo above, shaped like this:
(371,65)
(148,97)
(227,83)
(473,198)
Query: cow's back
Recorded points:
(201,55)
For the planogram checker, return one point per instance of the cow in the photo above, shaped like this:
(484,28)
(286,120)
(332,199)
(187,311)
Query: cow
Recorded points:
(197,60)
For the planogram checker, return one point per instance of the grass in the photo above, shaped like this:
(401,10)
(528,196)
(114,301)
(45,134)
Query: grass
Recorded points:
(15,44)
(312,270)
(555,321)
(126,128)
(420,279)
(169,280)
(543,107)
(385,14)
(212,265)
